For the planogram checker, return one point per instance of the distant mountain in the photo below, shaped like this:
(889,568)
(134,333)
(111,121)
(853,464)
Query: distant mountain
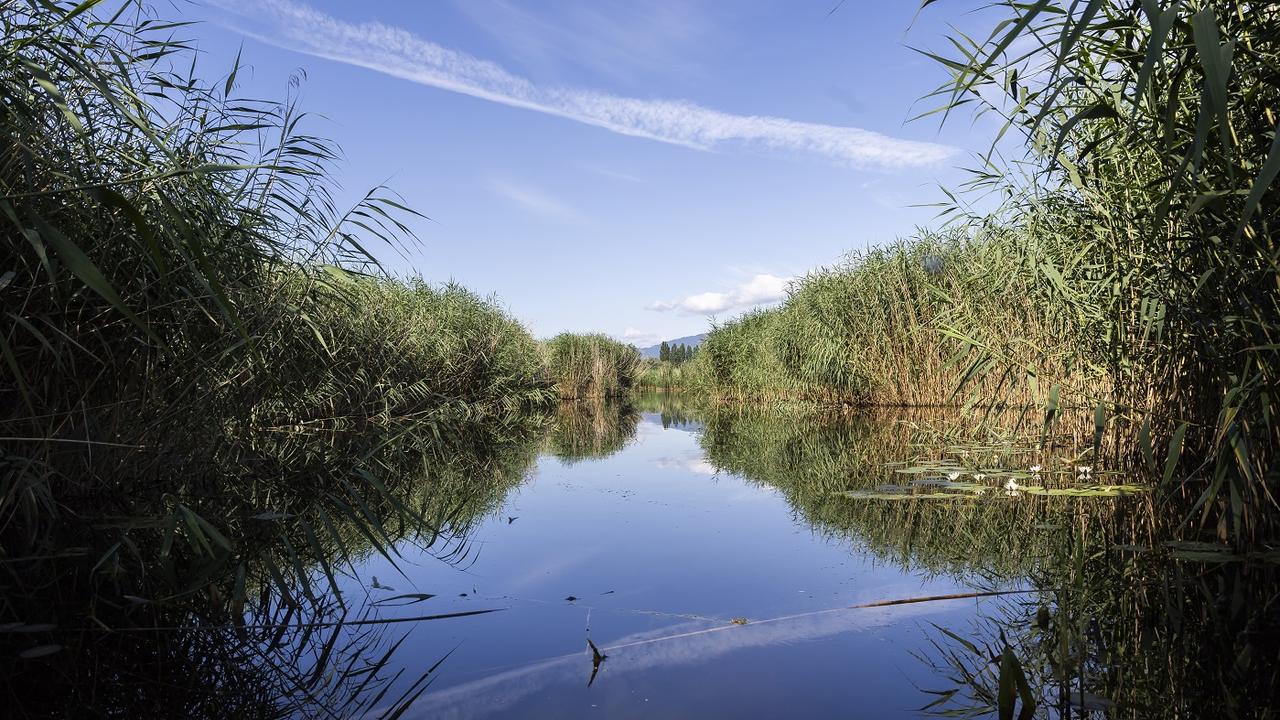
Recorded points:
(690,340)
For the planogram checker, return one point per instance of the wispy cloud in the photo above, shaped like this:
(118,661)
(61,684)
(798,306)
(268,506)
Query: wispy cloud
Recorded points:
(615,40)
(534,201)
(399,53)
(759,290)
(615,175)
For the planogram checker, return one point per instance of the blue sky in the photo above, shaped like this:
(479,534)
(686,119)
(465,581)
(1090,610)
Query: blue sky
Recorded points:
(631,168)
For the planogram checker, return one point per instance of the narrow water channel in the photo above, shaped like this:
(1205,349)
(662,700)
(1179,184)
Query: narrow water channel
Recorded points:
(660,558)
(709,594)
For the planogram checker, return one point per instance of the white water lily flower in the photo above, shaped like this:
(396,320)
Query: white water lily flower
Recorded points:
(1011,485)
(1085,470)
(979,476)
(1035,468)
(953,476)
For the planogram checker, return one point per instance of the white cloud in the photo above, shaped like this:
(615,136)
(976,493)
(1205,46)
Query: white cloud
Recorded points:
(639,338)
(401,54)
(759,290)
(534,200)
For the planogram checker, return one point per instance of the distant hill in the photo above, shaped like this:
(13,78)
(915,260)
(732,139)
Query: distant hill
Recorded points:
(690,340)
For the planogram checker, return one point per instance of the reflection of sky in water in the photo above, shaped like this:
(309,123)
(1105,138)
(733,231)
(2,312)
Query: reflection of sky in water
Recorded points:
(693,462)
(653,542)
(688,645)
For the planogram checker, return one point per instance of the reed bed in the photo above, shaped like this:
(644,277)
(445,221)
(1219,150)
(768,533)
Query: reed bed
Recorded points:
(868,331)
(211,392)
(208,389)
(1148,186)
(739,360)
(1128,266)
(666,376)
(591,365)
(390,351)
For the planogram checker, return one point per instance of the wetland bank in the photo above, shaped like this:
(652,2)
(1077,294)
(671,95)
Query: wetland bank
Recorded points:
(1022,464)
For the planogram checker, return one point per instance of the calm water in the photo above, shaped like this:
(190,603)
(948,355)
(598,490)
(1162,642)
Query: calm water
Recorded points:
(663,550)
(713,555)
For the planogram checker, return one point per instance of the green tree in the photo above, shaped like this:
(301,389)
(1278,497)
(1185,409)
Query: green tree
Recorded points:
(664,351)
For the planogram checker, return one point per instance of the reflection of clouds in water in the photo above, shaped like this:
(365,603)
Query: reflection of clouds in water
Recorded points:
(543,571)
(648,428)
(755,494)
(683,644)
(702,467)
(694,462)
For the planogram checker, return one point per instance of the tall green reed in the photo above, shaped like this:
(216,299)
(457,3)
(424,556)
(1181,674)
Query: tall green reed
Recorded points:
(208,392)
(1148,187)
(591,366)
(869,331)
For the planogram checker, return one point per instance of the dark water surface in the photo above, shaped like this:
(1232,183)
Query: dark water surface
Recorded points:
(663,550)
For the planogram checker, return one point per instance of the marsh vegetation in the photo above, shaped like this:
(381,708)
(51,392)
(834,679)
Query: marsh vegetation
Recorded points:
(219,413)
(1128,267)
(591,366)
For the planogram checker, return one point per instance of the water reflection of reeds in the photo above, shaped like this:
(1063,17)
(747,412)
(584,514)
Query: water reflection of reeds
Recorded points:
(591,429)
(816,459)
(1127,621)
(181,618)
